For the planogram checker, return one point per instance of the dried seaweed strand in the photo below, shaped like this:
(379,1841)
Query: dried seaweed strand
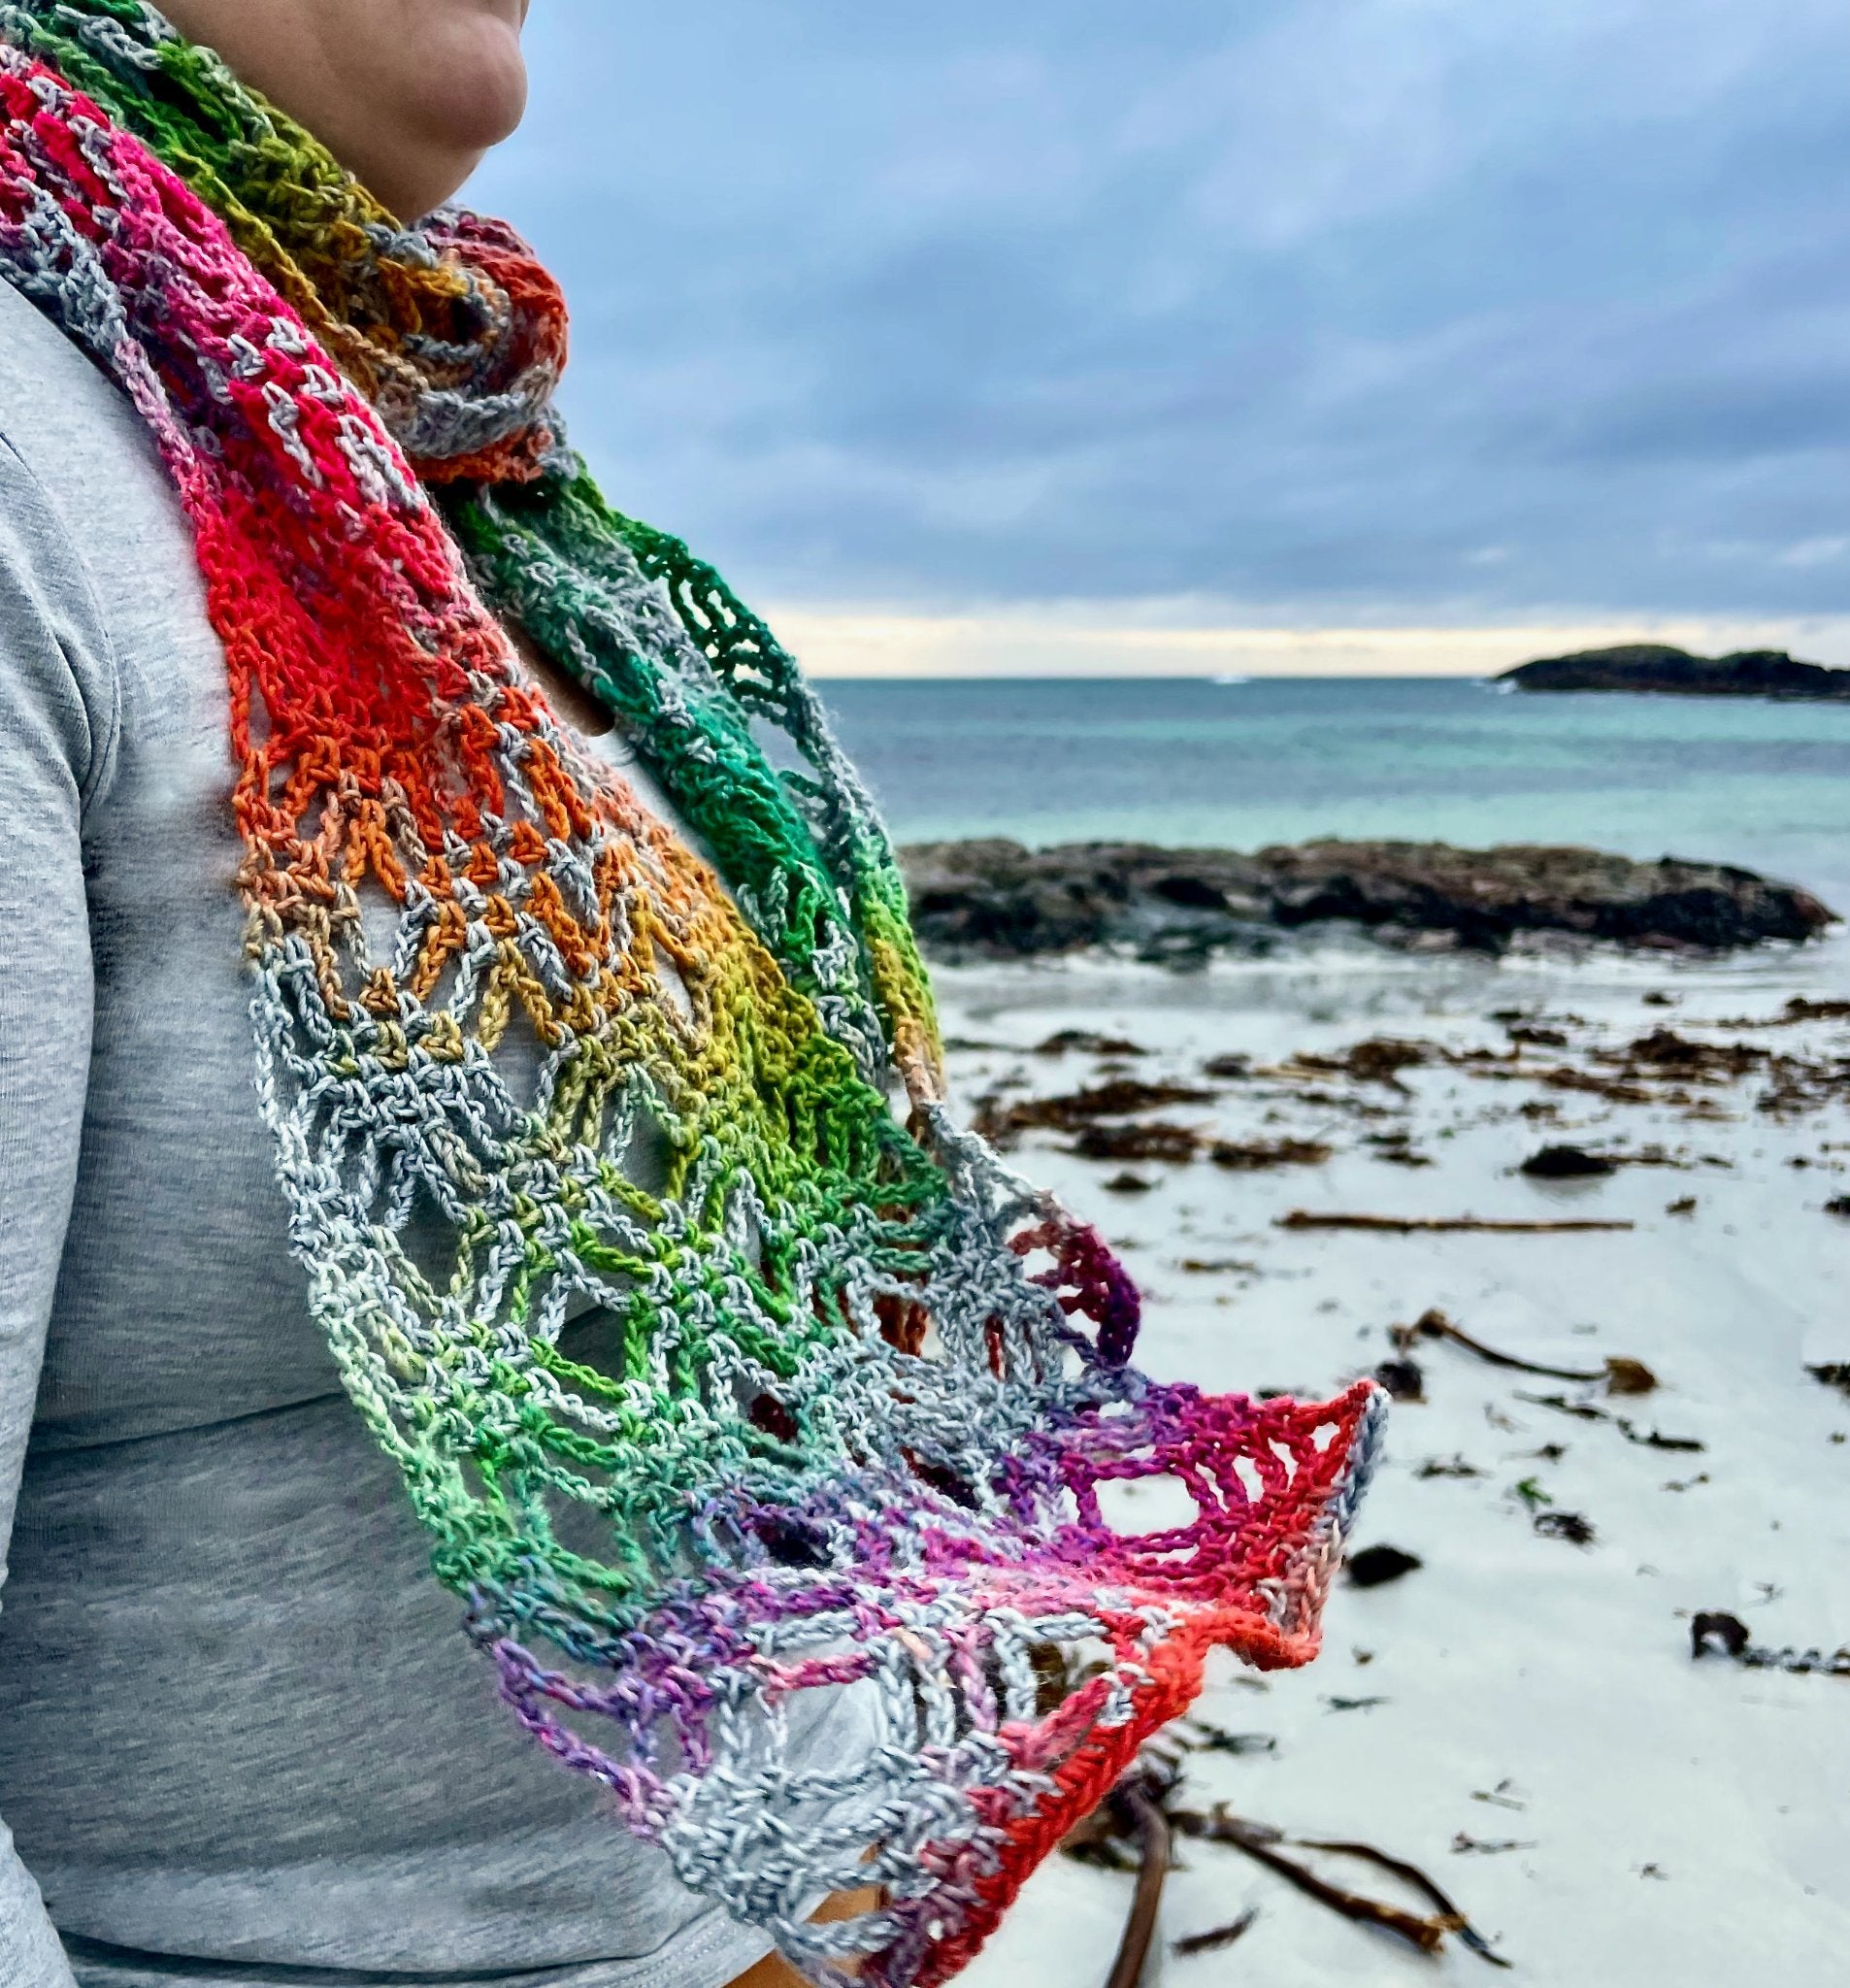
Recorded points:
(1153,1844)
(1427,1933)
(1218,1937)
(1621,1375)
(1434,1325)
(1411,1873)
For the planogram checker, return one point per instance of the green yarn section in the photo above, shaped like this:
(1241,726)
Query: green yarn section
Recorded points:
(766,1113)
(765,680)
(812,869)
(535,552)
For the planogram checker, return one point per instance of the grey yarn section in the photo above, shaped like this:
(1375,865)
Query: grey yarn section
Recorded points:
(239,1731)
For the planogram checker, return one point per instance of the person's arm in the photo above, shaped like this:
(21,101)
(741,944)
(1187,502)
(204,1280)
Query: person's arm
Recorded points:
(55,743)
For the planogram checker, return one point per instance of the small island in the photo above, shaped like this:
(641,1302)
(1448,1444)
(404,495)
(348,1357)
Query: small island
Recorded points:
(1658,667)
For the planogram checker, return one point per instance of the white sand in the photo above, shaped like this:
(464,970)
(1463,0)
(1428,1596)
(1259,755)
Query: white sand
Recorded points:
(1680,1823)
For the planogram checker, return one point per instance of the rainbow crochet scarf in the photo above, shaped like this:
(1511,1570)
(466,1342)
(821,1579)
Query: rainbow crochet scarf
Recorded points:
(860,1387)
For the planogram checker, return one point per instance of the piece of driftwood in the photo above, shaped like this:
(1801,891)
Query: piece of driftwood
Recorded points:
(1440,1225)
(1424,1931)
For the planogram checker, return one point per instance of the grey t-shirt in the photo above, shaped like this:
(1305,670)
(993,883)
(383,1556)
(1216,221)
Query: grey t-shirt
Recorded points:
(242,1738)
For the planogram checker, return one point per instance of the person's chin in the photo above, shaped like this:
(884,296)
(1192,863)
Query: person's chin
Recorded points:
(474,89)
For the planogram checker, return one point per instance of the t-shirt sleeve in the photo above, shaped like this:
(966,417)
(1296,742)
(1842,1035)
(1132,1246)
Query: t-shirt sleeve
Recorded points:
(56,744)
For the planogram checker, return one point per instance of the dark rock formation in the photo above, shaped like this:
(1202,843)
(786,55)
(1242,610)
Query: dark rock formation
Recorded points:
(999,899)
(1655,666)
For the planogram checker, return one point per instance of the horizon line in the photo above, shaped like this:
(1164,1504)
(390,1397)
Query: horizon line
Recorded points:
(1075,640)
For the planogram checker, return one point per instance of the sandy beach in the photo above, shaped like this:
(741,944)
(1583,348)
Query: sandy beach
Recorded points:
(1520,1715)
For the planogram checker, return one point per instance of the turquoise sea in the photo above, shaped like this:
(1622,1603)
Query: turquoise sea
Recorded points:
(1280,759)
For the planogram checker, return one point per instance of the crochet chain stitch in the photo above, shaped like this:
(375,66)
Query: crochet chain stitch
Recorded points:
(857,1389)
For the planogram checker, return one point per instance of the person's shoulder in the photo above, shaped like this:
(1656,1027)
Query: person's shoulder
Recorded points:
(58,411)
(63,448)
(98,468)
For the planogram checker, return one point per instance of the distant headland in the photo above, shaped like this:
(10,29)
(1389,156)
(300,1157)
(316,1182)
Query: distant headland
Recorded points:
(1657,667)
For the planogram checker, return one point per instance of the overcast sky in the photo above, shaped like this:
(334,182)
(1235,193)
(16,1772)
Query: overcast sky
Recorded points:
(1398,312)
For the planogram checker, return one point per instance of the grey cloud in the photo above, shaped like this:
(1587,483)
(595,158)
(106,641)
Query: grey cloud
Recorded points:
(1397,307)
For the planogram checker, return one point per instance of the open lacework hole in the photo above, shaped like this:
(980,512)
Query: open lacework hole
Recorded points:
(1099,1302)
(768,1412)
(428,1239)
(435,992)
(791,1539)
(907,1326)
(666,976)
(380,919)
(648,1153)
(943,1479)
(1061,1668)
(614,1115)
(1144,1507)
(594,1337)
(581,1528)
(1165,1504)
(782,752)
(631,1540)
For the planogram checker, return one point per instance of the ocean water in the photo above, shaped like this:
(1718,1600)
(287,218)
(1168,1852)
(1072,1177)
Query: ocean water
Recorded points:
(1281,759)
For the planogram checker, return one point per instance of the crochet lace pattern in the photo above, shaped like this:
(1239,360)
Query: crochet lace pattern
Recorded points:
(859,1388)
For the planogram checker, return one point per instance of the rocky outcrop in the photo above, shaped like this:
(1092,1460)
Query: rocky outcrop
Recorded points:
(1655,666)
(999,899)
